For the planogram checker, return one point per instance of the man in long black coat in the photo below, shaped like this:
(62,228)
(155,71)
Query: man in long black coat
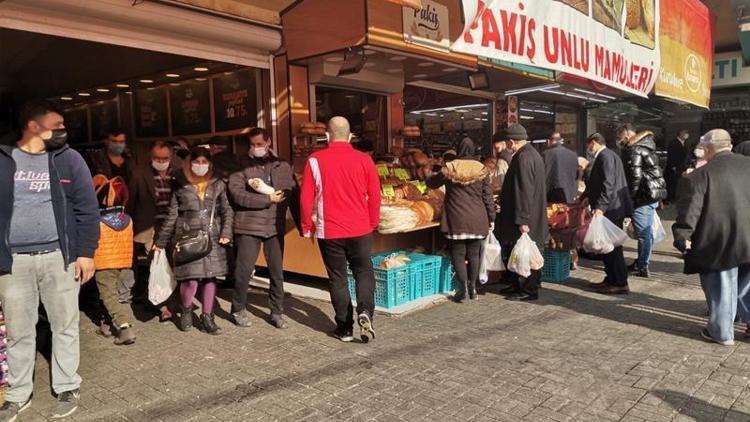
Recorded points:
(712,230)
(677,161)
(608,194)
(562,171)
(523,209)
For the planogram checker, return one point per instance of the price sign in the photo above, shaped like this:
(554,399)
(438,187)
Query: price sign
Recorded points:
(422,186)
(235,100)
(388,191)
(402,174)
(382,170)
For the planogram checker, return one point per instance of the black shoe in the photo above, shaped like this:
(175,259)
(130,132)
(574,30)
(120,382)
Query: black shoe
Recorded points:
(67,403)
(473,295)
(367,332)
(523,297)
(510,290)
(632,268)
(186,319)
(241,319)
(459,297)
(209,325)
(643,273)
(9,410)
(344,334)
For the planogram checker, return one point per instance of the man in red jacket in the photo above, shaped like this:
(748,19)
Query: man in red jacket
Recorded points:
(341,187)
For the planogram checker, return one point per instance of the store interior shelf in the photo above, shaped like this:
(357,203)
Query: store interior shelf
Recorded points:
(418,228)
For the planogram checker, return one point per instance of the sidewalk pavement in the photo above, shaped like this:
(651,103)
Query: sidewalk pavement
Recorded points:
(571,356)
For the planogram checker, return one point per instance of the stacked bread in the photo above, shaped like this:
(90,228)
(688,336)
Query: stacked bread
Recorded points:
(313,128)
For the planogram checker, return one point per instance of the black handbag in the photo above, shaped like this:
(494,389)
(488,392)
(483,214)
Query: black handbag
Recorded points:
(194,244)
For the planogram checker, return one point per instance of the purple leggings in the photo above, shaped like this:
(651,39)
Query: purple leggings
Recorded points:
(188,289)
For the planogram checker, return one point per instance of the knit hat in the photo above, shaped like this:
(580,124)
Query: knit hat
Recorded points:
(515,132)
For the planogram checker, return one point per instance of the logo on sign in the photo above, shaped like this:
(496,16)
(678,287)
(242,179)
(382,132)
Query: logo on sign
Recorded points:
(427,26)
(693,73)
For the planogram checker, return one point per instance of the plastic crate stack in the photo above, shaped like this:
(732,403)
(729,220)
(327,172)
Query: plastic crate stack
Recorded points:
(3,346)
(421,277)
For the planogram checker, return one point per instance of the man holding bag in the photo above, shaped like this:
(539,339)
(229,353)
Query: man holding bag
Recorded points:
(608,194)
(712,231)
(522,209)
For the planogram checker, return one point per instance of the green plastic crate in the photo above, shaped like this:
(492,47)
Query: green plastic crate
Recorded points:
(556,266)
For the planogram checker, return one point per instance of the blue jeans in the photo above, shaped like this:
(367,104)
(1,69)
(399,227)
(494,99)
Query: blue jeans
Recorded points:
(643,219)
(727,292)
(46,278)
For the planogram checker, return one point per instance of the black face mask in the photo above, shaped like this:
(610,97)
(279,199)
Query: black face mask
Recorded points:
(56,140)
(183,153)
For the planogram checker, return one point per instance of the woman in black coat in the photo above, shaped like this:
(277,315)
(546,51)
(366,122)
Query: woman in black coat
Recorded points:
(468,214)
(197,195)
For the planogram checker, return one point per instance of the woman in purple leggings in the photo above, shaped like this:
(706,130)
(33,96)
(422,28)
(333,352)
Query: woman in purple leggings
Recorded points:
(199,202)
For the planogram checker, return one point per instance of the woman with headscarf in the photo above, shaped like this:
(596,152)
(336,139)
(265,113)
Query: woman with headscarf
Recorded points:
(199,202)
(468,214)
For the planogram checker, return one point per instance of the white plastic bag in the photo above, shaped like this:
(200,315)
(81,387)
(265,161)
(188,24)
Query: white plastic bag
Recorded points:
(161,281)
(492,259)
(603,236)
(657,229)
(525,257)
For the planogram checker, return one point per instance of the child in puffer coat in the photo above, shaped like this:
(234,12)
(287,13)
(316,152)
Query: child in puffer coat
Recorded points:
(115,253)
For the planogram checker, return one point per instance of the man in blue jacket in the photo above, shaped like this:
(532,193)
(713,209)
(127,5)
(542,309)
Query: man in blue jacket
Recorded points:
(49,223)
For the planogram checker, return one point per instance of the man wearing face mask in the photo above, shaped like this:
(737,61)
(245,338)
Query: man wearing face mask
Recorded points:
(677,160)
(260,219)
(49,218)
(113,160)
(150,191)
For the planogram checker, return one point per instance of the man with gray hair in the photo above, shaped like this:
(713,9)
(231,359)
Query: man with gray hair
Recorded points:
(712,231)
(341,186)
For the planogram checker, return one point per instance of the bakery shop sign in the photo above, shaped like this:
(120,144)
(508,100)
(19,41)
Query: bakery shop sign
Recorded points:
(427,26)
(613,42)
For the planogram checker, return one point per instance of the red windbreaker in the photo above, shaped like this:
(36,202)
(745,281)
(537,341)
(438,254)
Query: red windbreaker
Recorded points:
(342,187)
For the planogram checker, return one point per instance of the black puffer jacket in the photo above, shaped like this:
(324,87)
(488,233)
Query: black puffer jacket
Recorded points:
(645,177)
(254,213)
(188,212)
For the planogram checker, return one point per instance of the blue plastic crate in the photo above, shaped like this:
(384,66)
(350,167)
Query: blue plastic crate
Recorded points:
(424,272)
(556,266)
(392,287)
(447,283)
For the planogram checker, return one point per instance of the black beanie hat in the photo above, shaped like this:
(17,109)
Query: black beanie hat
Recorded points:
(515,132)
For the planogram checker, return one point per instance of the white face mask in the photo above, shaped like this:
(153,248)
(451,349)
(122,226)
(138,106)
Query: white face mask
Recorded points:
(199,170)
(258,152)
(158,166)
(699,153)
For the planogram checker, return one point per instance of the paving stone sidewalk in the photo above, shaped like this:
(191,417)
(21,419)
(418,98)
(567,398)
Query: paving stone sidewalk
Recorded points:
(571,356)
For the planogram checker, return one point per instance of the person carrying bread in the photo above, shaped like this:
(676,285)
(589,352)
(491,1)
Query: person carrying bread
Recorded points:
(260,193)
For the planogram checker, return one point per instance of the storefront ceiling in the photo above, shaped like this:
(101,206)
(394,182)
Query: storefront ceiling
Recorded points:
(725,29)
(39,66)
(266,11)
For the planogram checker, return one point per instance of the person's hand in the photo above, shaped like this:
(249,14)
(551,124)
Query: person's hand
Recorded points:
(598,213)
(155,248)
(225,241)
(492,227)
(84,269)
(524,228)
(277,197)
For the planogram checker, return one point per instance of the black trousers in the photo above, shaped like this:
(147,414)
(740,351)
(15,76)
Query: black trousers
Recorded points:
(527,285)
(248,249)
(356,252)
(463,251)
(614,263)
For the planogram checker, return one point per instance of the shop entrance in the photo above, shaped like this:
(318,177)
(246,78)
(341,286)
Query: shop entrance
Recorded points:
(149,95)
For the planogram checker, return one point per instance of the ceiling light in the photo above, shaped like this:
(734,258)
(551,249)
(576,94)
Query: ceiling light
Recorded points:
(597,100)
(450,69)
(394,70)
(151,88)
(66,98)
(122,86)
(568,94)
(172,75)
(102,90)
(200,69)
(174,84)
(420,75)
(484,113)
(584,91)
(84,94)
(532,89)
(527,117)
(426,64)
(609,97)
(147,81)
(200,79)
(129,92)
(228,73)
(397,58)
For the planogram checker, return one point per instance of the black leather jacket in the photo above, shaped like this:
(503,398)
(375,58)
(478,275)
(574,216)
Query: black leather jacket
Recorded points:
(645,177)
